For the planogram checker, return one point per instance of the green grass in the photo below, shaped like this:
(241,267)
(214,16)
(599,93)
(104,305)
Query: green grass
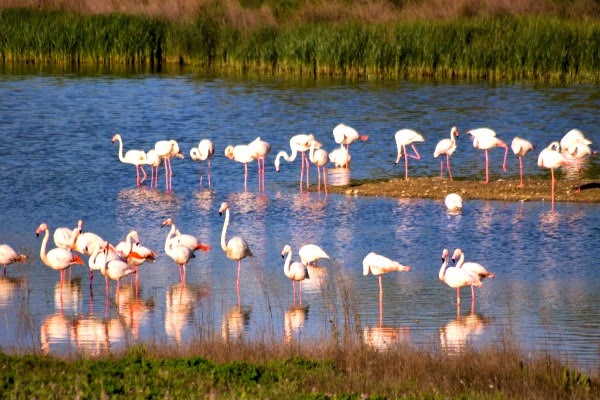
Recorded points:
(510,48)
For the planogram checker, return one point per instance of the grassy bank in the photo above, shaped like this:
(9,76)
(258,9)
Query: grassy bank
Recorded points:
(490,48)
(247,370)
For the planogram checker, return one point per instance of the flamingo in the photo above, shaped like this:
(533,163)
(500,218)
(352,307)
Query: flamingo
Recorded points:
(58,258)
(203,153)
(135,157)
(188,241)
(67,237)
(85,242)
(115,269)
(319,157)
(453,202)
(475,269)
(243,154)
(344,135)
(97,260)
(165,149)
(298,143)
(260,149)
(8,256)
(134,253)
(379,265)
(455,277)
(576,152)
(551,158)
(447,147)
(521,147)
(296,271)
(340,157)
(310,253)
(405,137)
(485,139)
(178,252)
(572,137)
(236,248)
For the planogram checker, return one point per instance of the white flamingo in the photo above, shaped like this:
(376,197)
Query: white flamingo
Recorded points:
(236,248)
(572,137)
(115,269)
(447,147)
(319,158)
(135,157)
(67,237)
(178,252)
(189,241)
(378,265)
(243,154)
(551,158)
(203,153)
(472,268)
(260,149)
(134,253)
(455,277)
(405,137)
(453,202)
(8,256)
(166,149)
(296,271)
(299,144)
(310,253)
(344,135)
(521,147)
(485,139)
(576,153)
(58,258)
(340,157)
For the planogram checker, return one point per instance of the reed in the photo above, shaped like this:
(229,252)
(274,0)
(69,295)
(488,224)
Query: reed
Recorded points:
(507,48)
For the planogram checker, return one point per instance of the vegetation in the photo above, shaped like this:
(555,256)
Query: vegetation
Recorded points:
(388,39)
(314,371)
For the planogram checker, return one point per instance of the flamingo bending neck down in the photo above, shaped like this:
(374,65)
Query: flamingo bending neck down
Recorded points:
(242,154)
(296,271)
(166,149)
(455,277)
(379,265)
(310,253)
(447,147)
(551,158)
(344,135)
(260,149)
(475,269)
(485,139)
(8,256)
(319,157)
(115,269)
(453,202)
(298,143)
(203,153)
(236,248)
(58,258)
(405,137)
(521,147)
(178,252)
(135,157)
(189,241)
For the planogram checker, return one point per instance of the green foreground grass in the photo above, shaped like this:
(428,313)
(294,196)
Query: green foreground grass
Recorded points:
(517,48)
(246,370)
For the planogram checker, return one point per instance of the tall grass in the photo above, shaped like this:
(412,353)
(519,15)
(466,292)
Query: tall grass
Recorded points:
(513,48)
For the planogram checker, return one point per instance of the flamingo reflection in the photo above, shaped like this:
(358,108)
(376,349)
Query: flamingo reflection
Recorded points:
(68,297)
(385,337)
(55,330)
(457,334)
(93,335)
(133,310)
(8,288)
(294,319)
(180,303)
(235,321)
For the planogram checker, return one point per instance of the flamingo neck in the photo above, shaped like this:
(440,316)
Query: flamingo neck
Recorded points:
(43,248)
(461,260)
(311,154)
(442,274)
(286,266)
(224,232)
(121,158)
(452,136)
(169,241)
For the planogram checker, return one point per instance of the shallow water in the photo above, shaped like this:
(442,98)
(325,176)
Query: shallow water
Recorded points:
(59,165)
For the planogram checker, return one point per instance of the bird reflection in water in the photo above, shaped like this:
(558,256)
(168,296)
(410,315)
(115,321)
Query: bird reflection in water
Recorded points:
(181,302)
(318,279)
(68,297)
(133,310)
(383,337)
(93,335)
(142,202)
(205,199)
(294,319)
(338,176)
(235,322)
(458,334)
(9,286)
(55,331)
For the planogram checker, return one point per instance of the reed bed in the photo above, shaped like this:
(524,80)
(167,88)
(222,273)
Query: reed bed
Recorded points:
(513,48)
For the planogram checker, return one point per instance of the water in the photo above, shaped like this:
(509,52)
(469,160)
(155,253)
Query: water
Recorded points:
(59,165)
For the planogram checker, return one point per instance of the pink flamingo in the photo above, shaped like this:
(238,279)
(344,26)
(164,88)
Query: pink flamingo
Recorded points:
(236,248)
(203,153)
(179,253)
(58,258)
(134,253)
(310,253)
(115,269)
(521,147)
(485,139)
(319,157)
(405,137)
(340,157)
(8,256)
(551,158)
(260,149)
(344,135)
(379,265)
(572,137)
(189,241)
(447,147)
(472,268)
(135,157)
(67,237)
(453,202)
(166,149)
(455,277)
(296,271)
(243,154)
(298,143)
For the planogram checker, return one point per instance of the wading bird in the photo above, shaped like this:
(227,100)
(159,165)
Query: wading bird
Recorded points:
(299,144)
(260,149)
(243,154)
(405,137)
(447,147)
(472,268)
(310,253)
(296,271)
(166,149)
(344,135)
(135,157)
(521,147)
(485,139)
(236,248)
(8,256)
(551,158)
(203,153)
(456,278)
(378,265)
(453,202)
(319,158)
(58,258)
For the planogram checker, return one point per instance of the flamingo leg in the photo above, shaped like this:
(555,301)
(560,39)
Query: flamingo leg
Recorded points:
(144,172)
(457,298)
(442,168)
(487,179)
(380,291)
(552,190)
(245,176)
(521,171)
(319,184)
(405,163)
(504,162)
(448,166)
(4,274)
(201,168)
(325,180)
(294,290)
(137,175)
(208,172)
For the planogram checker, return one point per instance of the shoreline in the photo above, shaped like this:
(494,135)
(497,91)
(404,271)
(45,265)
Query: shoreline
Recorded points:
(565,190)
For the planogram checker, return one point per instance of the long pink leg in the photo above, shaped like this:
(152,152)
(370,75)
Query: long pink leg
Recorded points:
(144,172)
(137,175)
(380,290)
(448,165)
(521,170)
(245,176)
(552,191)
(487,179)
(325,180)
(405,163)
